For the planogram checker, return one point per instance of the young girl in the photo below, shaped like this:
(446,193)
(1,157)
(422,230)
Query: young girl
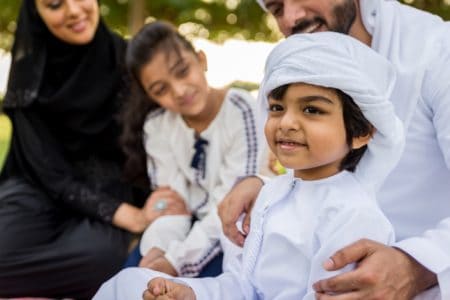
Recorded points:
(339,154)
(198,140)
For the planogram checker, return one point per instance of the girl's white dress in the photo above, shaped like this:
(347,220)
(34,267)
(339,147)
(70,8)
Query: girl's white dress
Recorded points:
(202,169)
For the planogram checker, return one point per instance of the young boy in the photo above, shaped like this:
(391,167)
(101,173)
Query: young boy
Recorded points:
(339,153)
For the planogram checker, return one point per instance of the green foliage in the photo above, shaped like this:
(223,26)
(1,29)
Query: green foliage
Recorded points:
(5,137)
(213,19)
(245,85)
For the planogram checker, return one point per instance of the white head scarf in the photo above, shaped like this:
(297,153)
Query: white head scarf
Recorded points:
(338,61)
(261,3)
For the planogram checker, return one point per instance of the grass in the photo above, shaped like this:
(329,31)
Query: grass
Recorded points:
(5,137)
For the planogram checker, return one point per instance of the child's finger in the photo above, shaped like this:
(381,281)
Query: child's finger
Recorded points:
(157,286)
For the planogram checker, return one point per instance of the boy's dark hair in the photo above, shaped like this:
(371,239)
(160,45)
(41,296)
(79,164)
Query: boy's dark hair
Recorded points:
(355,125)
(150,40)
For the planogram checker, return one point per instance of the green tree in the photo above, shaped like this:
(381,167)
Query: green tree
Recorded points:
(213,19)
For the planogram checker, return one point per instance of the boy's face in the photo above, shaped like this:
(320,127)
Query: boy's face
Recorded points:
(307,16)
(306,131)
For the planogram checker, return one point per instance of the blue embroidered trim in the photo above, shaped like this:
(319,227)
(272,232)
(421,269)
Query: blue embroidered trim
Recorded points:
(250,133)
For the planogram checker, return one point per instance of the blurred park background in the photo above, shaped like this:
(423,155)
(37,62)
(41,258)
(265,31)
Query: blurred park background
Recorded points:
(236,35)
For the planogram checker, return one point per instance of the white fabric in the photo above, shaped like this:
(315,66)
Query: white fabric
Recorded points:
(295,226)
(232,151)
(173,228)
(335,60)
(261,3)
(416,195)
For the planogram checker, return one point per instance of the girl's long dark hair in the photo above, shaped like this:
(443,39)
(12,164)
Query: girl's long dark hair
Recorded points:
(152,38)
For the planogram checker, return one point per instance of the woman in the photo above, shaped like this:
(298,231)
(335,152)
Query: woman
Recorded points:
(65,213)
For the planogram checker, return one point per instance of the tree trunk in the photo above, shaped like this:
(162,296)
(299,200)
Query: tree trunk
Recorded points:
(136,15)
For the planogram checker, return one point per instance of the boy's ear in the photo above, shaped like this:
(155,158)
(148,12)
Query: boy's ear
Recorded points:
(361,141)
(202,58)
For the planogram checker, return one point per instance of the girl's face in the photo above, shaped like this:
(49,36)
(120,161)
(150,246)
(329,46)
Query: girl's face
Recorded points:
(177,82)
(306,131)
(71,21)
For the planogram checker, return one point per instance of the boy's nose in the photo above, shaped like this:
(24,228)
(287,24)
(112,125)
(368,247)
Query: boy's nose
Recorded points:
(289,122)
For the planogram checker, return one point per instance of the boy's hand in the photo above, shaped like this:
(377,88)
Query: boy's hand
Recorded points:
(160,289)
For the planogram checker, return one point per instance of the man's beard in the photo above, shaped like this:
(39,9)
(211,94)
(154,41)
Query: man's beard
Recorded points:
(344,16)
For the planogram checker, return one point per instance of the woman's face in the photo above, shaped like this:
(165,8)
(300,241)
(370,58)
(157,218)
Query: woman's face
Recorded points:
(71,21)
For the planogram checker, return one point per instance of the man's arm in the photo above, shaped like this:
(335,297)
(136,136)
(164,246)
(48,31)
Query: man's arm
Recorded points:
(382,272)
(239,201)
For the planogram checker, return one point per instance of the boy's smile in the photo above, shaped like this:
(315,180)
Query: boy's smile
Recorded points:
(306,131)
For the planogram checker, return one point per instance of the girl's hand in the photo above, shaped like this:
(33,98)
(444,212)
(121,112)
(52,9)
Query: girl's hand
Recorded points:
(161,264)
(164,201)
(160,288)
(151,255)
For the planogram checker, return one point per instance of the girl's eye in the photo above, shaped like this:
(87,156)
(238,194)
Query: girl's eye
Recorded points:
(312,110)
(183,71)
(275,107)
(159,91)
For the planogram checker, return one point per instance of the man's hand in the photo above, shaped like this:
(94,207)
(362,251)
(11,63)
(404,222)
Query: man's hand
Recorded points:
(163,289)
(382,272)
(238,201)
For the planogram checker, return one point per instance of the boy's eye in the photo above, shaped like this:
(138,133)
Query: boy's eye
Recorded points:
(312,110)
(275,107)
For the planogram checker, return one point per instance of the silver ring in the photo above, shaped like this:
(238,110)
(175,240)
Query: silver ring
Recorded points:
(160,205)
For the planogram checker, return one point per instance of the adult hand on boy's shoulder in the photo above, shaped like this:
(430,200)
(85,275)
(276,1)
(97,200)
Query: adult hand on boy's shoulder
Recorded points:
(164,289)
(382,272)
(161,264)
(239,200)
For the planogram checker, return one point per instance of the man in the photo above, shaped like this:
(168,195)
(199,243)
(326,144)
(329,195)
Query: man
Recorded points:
(415,197)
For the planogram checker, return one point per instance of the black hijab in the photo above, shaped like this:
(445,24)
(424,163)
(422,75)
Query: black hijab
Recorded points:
(74,87)
(63,100)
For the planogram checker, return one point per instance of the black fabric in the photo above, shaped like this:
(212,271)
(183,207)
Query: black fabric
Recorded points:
(61,182)
(48,252)
(63,101)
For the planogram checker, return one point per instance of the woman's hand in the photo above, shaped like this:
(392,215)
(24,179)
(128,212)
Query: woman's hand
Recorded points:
(239,201)
(135,219)
(164,201)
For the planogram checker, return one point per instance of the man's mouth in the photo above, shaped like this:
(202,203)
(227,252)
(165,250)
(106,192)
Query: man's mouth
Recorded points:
(308,26)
